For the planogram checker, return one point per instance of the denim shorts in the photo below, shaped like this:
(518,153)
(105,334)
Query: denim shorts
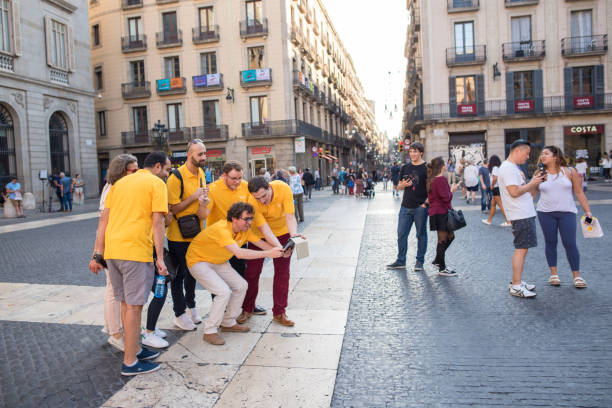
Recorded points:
(524,233)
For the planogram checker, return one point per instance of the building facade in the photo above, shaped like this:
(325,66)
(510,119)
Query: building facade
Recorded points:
(265,82)
(46,98)
(485,73)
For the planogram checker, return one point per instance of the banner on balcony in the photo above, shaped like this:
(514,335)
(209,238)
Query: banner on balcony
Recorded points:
(584,102)
(262,74)
(163,84)
(249,75)
(523,106)
(466,109)
(213,79)
(200,81)
(176,83)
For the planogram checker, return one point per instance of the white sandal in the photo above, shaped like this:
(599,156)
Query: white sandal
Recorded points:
(579,282)
(554,280)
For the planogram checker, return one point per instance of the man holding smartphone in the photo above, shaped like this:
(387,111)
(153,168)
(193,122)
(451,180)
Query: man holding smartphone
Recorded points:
(274,201)
(413,180)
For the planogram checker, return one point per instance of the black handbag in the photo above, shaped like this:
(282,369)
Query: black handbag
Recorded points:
(456,220)
(171,265)
(189,225)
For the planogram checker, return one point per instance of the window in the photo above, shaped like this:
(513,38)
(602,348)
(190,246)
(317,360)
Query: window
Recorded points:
(304,112)
(255,55)
(521,29)
(98,80)
(582,23)
(102,123)
(464,38)
(5,31)
(209,62)
(523,85)
(95,35)
(466,90)
(175,113)
(140,119)
(259,110)
(172,68)
(207,22)
(211,114)
(137,70)
(582,81)
(58,43)
(253,12)
(135,28)
(170,27)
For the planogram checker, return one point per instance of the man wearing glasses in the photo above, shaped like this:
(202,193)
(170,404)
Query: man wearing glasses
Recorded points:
(207,259)
(187,195)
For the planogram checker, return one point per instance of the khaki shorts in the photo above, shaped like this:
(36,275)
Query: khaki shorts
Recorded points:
(131,280)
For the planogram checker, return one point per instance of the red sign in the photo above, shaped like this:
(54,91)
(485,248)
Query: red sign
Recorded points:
(261,150)
(523,106)
(584,130)
(466,109)
(584,102)
(211,153)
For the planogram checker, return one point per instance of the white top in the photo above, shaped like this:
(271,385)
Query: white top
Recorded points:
(103,196)
(470,175)
(556,194)
(267,176)
(296,184)
(606,163)
(495,172)
(520,207)
(581,168)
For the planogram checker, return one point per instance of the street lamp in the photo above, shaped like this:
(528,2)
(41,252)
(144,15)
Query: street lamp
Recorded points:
(160,137)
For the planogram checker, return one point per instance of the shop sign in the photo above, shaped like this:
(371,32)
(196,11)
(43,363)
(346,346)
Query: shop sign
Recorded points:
(584,153)
(300,145)
(179,154)
(261,150)
(584,102)
(523,106)
(466,109)
(215,155)
(583,130)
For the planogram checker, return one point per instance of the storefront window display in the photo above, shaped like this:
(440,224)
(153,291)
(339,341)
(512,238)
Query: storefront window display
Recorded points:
(584,141)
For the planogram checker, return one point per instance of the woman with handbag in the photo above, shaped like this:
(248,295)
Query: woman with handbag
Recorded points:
(440,195)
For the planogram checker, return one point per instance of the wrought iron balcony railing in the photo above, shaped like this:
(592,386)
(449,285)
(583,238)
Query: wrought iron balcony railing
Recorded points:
(585,45)
(253,28)
(455,6)
(524,50)
(133,43)
(205,34)
(210,132)
(134,90)
(167,39)
(467,55)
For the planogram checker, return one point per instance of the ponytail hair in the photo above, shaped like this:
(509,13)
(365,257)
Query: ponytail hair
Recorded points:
(434,167)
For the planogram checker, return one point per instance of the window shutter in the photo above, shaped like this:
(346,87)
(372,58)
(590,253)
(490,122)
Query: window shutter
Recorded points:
(598,86)
(452,96)
(480,95)
(16,29)
(70,49)
(538,91)
(49,41)
(568,88)
(510,92)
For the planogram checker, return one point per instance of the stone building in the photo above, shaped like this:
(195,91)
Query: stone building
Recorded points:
(484,73)
(265,82)
(46,98)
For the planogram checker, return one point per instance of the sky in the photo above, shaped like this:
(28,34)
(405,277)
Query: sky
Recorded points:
(374,34)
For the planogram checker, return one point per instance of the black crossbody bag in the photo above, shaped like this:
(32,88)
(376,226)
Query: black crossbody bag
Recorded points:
(189,225)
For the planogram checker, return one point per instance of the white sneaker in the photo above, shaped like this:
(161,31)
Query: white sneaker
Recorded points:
(193,314)
(116,343)
(526,285)
(486,222)
(521,291)
(184,322)
(505,224)
(104,330)
(151,340)
(160,333)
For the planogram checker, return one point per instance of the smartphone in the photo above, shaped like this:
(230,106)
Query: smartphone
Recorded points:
(289,245)
(541,168)
(588,220)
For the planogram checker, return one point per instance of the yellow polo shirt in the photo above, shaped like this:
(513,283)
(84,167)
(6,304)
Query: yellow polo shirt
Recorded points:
(209,245)
(274,213)
(191,183)
(221,199)
(132,201)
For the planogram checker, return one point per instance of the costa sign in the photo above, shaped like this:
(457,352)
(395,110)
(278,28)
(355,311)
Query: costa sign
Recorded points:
(583,130)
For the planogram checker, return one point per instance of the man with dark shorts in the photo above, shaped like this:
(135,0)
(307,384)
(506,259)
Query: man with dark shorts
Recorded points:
(517,197)
(395,171)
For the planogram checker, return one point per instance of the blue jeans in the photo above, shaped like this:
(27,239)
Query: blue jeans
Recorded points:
(407,216)
(560,223)
(67,201)
(485,200)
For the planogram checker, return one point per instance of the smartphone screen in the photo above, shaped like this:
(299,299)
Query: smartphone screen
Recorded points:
(588,220)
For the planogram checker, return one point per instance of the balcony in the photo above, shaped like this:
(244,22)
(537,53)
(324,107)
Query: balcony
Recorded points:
(131,4)
(517,3)
(7,63)
(459,6)
(325,70)
(165,1)
(256,77)
(303,5)
(254,28)
(210,132)
(309,15)
(209,82)
(171,86)
(296,37)
(205,34)
(283,129)
(475,55)
(135,90)
(524,51)
(134,43)
(168,39)
(139,137)
(179,135)
(303,84)
(58,76)
(583,46)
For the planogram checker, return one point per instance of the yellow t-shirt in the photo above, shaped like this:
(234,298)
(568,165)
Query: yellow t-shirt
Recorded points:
(209,245)
(221,199)
(191,183)
(132,202)
(274,213)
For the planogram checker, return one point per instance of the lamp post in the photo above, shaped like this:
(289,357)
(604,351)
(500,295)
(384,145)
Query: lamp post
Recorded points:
(160,137)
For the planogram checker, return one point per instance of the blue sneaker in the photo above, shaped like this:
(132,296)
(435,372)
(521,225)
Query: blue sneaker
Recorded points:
(141,367)
(146,354)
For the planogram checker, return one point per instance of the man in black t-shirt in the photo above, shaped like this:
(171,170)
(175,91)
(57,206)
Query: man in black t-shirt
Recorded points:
(413,180)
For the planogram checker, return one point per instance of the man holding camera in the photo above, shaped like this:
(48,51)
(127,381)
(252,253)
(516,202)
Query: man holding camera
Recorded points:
(274,201)
(187,200)
(413,180)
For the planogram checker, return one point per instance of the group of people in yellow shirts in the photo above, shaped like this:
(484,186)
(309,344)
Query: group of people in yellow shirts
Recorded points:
(240,224)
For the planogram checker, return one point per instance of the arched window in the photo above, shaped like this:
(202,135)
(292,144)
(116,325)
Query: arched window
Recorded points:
(58,142)
(8,161)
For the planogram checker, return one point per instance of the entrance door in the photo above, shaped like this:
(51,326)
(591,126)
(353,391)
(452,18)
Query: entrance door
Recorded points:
(257,164)
(58,143)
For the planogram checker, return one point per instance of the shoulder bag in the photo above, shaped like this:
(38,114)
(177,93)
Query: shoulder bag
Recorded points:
(456,220)
(189,225)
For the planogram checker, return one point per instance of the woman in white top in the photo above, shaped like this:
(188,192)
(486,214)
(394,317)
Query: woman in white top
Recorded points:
(295,181)
(77,184)
(494,163)
(557,212)
(581,168)
(606,163)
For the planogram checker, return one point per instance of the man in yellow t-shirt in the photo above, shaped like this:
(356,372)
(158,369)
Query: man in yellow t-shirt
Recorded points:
(126,234)
(274,201)
(207,259)
(193,200)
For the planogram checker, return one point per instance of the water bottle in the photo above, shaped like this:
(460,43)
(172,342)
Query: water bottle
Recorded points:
(160,286)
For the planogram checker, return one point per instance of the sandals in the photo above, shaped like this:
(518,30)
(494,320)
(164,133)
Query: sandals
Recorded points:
(554,280)
(579,282)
